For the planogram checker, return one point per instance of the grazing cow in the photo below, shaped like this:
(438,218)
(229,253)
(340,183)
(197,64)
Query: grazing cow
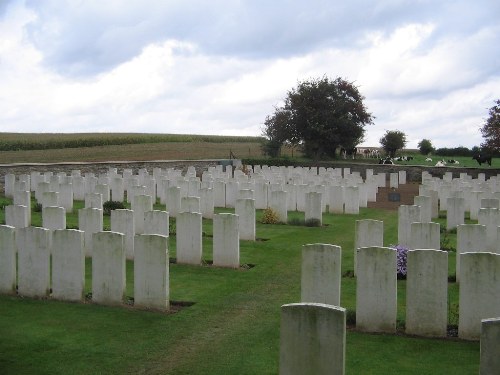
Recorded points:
(428,159)
(386,161)
(348,152)
(453,161)
(482,159)
(441,163)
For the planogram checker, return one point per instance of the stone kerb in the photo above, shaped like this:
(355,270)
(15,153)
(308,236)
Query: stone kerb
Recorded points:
(312,339)
(479,293)
(226,240)
(427,293)
(151,272)
(108,268)
(68,265)
(470,238)
(8,256)
(245,209)
(425,236)
(122,221)
(189,238)
(368,233)
(490,346)
(376,290)
(33,261)
(321,274)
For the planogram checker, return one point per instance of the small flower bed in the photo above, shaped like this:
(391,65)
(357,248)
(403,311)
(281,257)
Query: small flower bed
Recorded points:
(402,252)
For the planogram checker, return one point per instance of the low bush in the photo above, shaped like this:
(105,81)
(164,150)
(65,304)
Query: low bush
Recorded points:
(270,217)
(108,206)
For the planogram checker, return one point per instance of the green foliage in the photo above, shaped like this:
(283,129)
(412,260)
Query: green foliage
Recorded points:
(108,206)
(425,147)
(392,141)
(491,129)
(34,141)
(321,115)
(270,217)
(37,207)
(455,151)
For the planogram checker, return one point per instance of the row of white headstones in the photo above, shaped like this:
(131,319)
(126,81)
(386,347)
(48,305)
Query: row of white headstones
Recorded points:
(373,321)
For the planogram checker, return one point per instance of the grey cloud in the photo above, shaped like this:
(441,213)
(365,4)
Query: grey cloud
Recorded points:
(87,40)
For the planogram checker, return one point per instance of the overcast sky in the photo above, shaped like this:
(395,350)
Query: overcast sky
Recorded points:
(430,68)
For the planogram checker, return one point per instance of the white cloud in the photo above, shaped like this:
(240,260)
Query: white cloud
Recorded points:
(221,68)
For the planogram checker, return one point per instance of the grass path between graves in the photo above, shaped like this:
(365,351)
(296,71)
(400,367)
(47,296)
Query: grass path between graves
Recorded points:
(233,326)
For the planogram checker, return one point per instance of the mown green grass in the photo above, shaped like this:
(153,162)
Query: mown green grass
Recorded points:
(233,326)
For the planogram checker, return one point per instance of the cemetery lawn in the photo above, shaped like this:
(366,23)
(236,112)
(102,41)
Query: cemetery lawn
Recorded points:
(232,327)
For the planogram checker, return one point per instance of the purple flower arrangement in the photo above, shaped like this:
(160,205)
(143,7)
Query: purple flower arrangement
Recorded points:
(401,260)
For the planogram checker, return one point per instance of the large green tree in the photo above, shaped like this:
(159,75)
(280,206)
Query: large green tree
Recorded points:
(321,115)
(491,129)
(425,147)
(392,141)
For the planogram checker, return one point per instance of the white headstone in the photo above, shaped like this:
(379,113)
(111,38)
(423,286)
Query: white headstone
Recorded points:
(151,272)
(33,261)
(321,274)
(427,293)
(108,268)
(8,260)
(376,290)
(226,240)
(68,265)
(189,240)
(479,292)
(312,339)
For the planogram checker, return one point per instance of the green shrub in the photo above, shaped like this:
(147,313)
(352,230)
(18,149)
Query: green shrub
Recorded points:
(37,207)
(108,206)
(270,217)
